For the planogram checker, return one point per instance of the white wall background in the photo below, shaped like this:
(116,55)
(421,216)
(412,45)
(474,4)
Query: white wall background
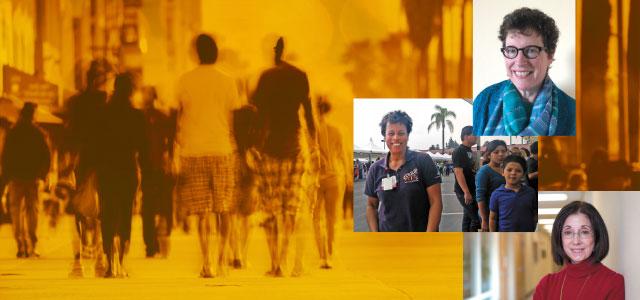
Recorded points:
(488,62)
(620,211)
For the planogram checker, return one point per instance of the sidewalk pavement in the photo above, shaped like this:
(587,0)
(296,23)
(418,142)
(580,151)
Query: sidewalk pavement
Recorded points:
(367,266)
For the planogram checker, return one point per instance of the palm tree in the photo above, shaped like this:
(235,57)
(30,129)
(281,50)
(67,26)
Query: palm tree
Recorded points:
(421,20)
(441,119)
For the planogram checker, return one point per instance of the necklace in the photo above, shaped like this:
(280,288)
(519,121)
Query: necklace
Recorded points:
(579,292)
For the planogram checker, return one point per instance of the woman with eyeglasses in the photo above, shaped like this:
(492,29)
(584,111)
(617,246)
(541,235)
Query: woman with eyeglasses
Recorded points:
(579,242)
(528,103)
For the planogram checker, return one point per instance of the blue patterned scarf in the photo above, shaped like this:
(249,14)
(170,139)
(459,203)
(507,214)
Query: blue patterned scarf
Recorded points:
(511,116)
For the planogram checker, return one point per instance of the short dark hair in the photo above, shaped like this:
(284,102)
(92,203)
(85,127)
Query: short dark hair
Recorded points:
(493,145)
(534,147)
(601,236)
(395,117)
(28,111)
(467,130)
(207,49)
(525,19)
(516,159)
(98,69)
(324,107)
(123,86)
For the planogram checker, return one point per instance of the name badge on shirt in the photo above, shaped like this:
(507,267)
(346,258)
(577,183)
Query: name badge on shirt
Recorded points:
(389,183)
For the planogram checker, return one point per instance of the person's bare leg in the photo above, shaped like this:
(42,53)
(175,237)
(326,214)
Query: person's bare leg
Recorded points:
(238,238)
(108,249)
(122,252)
(99,251)
(288,225)
(204,235)
(234,239)
(245,230)
(317,226)
(301,233)
(223,237)
(76,268)
(334,198)
(163,236)
(271,230)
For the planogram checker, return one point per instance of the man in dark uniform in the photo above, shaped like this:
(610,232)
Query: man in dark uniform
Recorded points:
(464,168)
(280,92)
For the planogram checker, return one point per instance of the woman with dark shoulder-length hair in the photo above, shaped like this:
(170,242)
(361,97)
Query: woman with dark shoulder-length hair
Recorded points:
(124,147)
(489,178)
(403,189)
(528,103)
(579,241)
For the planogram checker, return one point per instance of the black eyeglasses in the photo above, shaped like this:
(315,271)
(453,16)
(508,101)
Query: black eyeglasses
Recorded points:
(529,52)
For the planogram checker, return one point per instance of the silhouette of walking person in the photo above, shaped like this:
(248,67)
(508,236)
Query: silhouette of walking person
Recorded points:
(333,180)
(206,99)
(82,115)
(280,93)
(123,147)
(158,188)
(25,161)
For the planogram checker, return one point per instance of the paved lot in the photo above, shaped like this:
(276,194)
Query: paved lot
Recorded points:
(451,210)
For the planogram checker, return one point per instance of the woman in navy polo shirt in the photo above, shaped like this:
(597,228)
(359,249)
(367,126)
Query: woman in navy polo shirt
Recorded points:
(403,189)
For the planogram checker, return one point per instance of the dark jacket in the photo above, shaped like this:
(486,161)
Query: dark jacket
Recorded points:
(83,116)
(123,143)
(26,153)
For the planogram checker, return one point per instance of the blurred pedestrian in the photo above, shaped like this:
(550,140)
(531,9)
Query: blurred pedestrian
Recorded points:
(206,99)
(280,93)
(82,116)
(123,148)
(333,181)
(25,160)
(247,135)
(157,190)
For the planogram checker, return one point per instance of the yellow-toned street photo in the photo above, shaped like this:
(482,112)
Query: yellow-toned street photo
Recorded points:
(176,149)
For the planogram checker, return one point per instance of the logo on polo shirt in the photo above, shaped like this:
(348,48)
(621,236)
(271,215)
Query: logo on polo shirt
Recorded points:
(411,176)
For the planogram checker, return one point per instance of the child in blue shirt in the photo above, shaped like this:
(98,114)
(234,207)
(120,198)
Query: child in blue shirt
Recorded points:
(513,206)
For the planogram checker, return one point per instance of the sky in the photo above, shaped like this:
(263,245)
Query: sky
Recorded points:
(316,34)
(367,114)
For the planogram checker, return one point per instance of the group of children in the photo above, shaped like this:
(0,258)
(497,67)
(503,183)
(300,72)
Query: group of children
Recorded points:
(502,194)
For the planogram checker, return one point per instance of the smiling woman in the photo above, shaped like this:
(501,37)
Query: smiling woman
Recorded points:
(403,189)
(580,241)
(528,103)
